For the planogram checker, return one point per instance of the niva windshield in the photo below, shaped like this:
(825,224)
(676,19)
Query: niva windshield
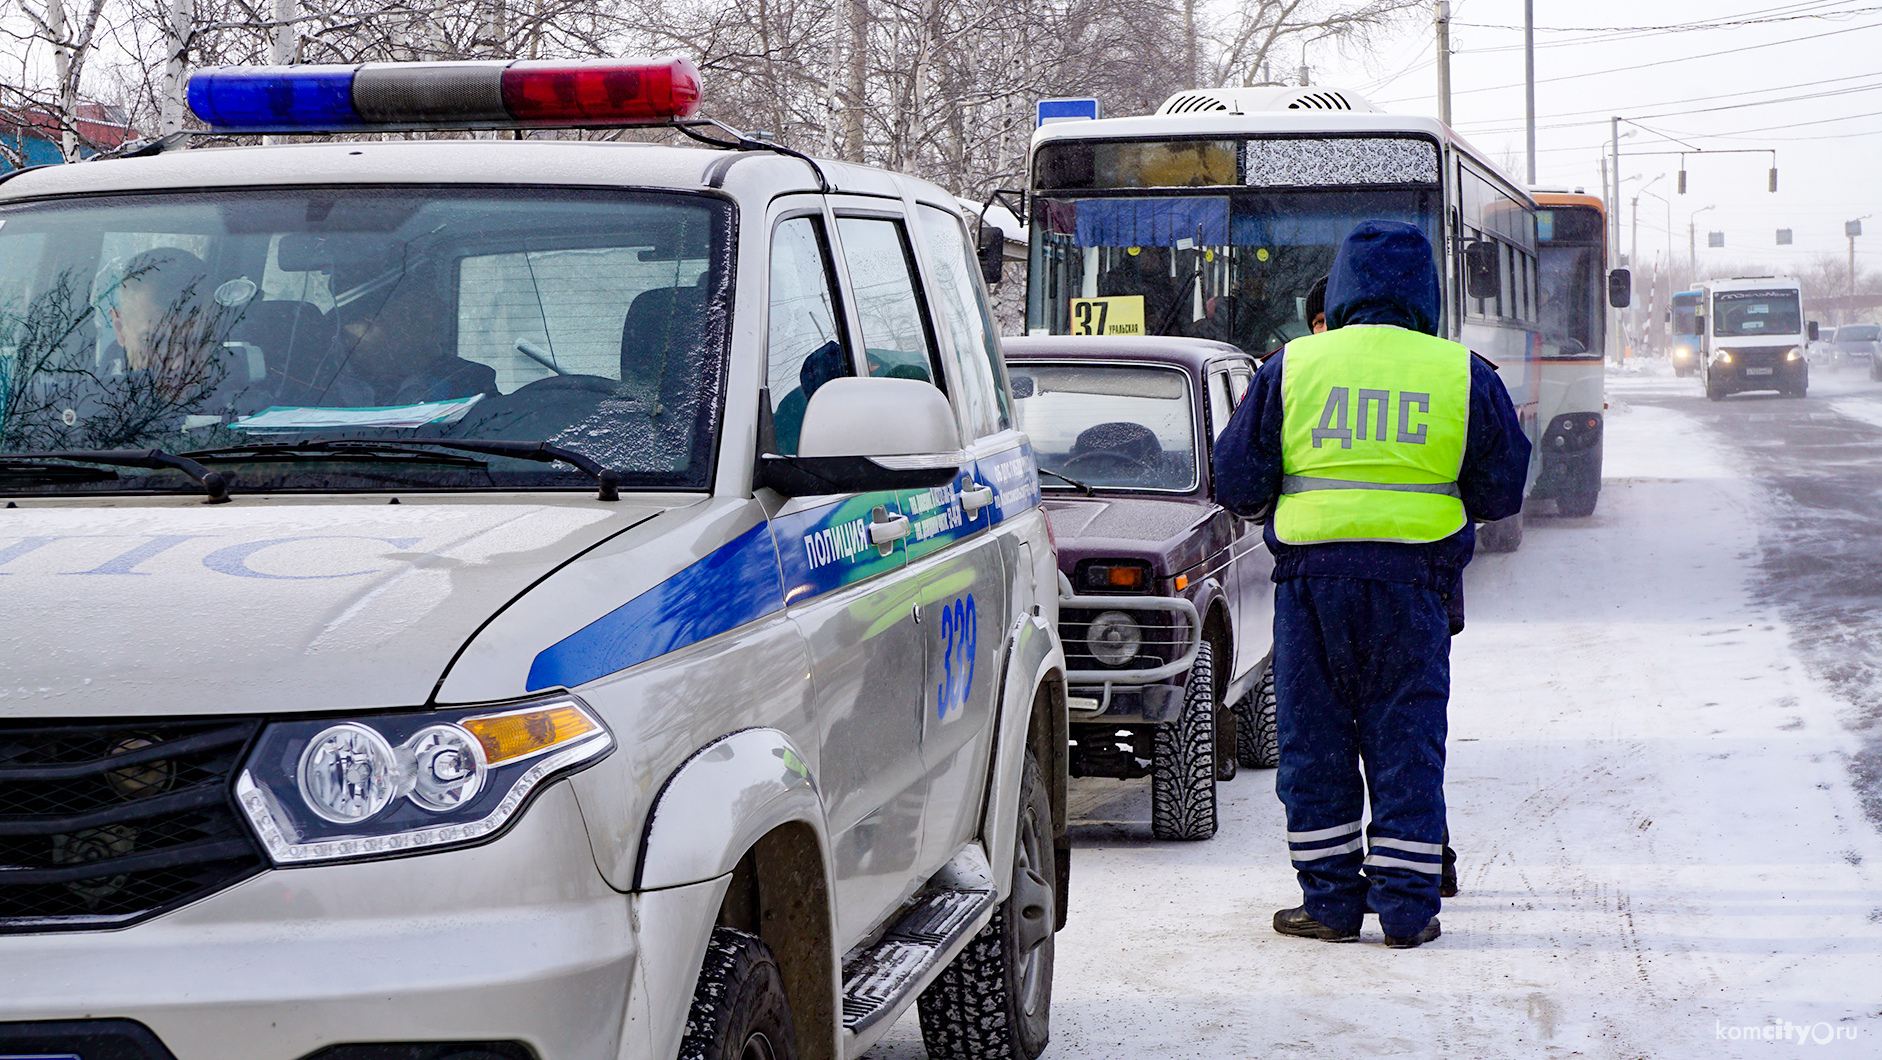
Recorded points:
(1235,267)
(1108,426)
(232,325)
(1753,313)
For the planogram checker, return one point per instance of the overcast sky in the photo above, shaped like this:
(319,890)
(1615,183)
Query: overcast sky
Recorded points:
(1808,70)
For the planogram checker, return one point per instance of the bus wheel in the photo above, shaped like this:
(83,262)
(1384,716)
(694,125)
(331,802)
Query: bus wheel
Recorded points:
(1577,505)
(1502,535)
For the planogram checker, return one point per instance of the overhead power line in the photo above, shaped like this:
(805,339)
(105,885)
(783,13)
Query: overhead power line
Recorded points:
(1664,62)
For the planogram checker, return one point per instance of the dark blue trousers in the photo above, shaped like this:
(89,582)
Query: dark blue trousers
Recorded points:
(1362,678)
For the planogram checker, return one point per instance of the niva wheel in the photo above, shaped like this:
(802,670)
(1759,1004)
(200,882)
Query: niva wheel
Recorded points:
(1182,778)
(739,1008)
(1258,743)
(995,999)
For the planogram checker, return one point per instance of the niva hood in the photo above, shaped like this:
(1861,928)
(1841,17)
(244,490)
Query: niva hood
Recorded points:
(1383,274)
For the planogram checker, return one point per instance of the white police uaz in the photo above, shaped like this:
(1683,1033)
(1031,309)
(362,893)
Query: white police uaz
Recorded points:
(531,599)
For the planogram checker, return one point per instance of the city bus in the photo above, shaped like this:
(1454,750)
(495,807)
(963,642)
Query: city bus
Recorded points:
(1213,218)
(1682,319)
(1576,290)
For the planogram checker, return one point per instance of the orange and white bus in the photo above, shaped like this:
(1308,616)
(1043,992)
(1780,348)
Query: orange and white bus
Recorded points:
(1576,290)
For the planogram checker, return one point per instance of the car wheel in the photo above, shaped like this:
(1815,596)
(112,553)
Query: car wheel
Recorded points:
(1259,743)
(1501,535)
(1182,779)
(1577,505)
(995,998)
(1714,393)
(739,1009)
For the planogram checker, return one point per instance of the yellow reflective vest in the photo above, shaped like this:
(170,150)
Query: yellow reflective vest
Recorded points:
(1373,426)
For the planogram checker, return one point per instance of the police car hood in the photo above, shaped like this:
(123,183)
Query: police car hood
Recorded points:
(264,606)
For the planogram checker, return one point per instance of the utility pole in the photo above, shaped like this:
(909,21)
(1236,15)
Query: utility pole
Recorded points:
(1529,81)
(1444,61)
(1852,229)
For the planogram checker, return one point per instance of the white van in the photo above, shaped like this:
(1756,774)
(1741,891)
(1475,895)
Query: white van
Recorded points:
(1753,336)
(513,598)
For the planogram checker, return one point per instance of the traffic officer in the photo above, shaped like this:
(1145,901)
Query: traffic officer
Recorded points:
(1371,448)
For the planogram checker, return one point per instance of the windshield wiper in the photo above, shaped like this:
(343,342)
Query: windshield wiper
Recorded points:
(214,483)
(290,452)
(607,479)
(1089,492)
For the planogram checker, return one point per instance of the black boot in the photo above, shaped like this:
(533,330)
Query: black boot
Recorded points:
(1404,942)
(1300,924)
(1447,880)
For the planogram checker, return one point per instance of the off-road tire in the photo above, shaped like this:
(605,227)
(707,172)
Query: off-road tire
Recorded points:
(1182,777)
(1258,743)
(739,1011)
(1502,535)
(1577,505)
(984,1005)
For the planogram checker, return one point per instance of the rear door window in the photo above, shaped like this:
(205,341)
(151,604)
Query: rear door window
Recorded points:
(973,338)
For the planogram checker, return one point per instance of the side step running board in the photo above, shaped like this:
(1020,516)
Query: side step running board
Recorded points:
(878,980)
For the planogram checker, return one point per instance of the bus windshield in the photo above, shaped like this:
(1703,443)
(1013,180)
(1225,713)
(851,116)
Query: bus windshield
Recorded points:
(1751,313)
(1573,284)
(1234,266)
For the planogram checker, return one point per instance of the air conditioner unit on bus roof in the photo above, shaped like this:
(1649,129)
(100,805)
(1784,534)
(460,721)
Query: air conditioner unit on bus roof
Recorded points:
(1252,100)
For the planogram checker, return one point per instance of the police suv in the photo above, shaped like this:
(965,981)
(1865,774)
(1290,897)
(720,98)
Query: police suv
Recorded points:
(513,598)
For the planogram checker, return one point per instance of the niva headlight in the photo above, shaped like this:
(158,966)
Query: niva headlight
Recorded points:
(329,789)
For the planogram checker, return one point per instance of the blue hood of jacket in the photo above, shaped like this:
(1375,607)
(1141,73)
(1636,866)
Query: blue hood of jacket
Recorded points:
(1383,274)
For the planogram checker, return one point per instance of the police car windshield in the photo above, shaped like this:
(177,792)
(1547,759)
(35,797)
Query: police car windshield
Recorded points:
(593,320)
(1109,426)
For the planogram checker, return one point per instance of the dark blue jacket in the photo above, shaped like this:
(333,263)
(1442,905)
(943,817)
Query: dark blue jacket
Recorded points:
(1383,274)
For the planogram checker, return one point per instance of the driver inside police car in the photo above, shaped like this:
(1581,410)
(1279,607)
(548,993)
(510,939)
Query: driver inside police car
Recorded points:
(162,321)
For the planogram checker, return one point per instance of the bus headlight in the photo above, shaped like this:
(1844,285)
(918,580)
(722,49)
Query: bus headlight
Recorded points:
(409,783)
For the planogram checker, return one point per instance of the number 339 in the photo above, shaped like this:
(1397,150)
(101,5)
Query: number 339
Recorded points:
(959,638)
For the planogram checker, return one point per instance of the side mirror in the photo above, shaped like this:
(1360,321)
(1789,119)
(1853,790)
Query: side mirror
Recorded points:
(990,244)
(1480,271)
(1621,288)
(1699,323)
(862,434)
(1812,328)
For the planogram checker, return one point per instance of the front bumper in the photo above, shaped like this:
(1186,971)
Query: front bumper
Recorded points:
(516,940)
(1141,692)
(1758,373)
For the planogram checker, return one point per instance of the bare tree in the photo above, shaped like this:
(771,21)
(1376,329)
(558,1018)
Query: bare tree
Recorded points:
(1260,34)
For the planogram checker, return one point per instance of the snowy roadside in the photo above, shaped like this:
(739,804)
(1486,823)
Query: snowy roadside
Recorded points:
(1661,852)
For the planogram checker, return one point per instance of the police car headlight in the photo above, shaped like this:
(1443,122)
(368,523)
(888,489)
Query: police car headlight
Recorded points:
(1114,638)
(409,783)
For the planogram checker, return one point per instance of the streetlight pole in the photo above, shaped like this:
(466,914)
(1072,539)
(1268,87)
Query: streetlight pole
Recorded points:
(1529,81)
(1692,240)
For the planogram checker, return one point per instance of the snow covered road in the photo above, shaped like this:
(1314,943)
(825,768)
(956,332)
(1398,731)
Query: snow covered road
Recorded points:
(1662,853)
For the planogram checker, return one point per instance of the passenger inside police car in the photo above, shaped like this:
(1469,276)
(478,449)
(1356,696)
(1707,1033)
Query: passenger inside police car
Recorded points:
(391,347)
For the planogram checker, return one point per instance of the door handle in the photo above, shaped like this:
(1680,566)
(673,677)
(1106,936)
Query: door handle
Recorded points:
(976,498)
(885,529)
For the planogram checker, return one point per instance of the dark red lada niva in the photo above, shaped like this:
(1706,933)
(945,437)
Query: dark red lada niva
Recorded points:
(1166,606)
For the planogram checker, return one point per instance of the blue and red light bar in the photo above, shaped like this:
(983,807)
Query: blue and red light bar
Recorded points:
(493,94)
